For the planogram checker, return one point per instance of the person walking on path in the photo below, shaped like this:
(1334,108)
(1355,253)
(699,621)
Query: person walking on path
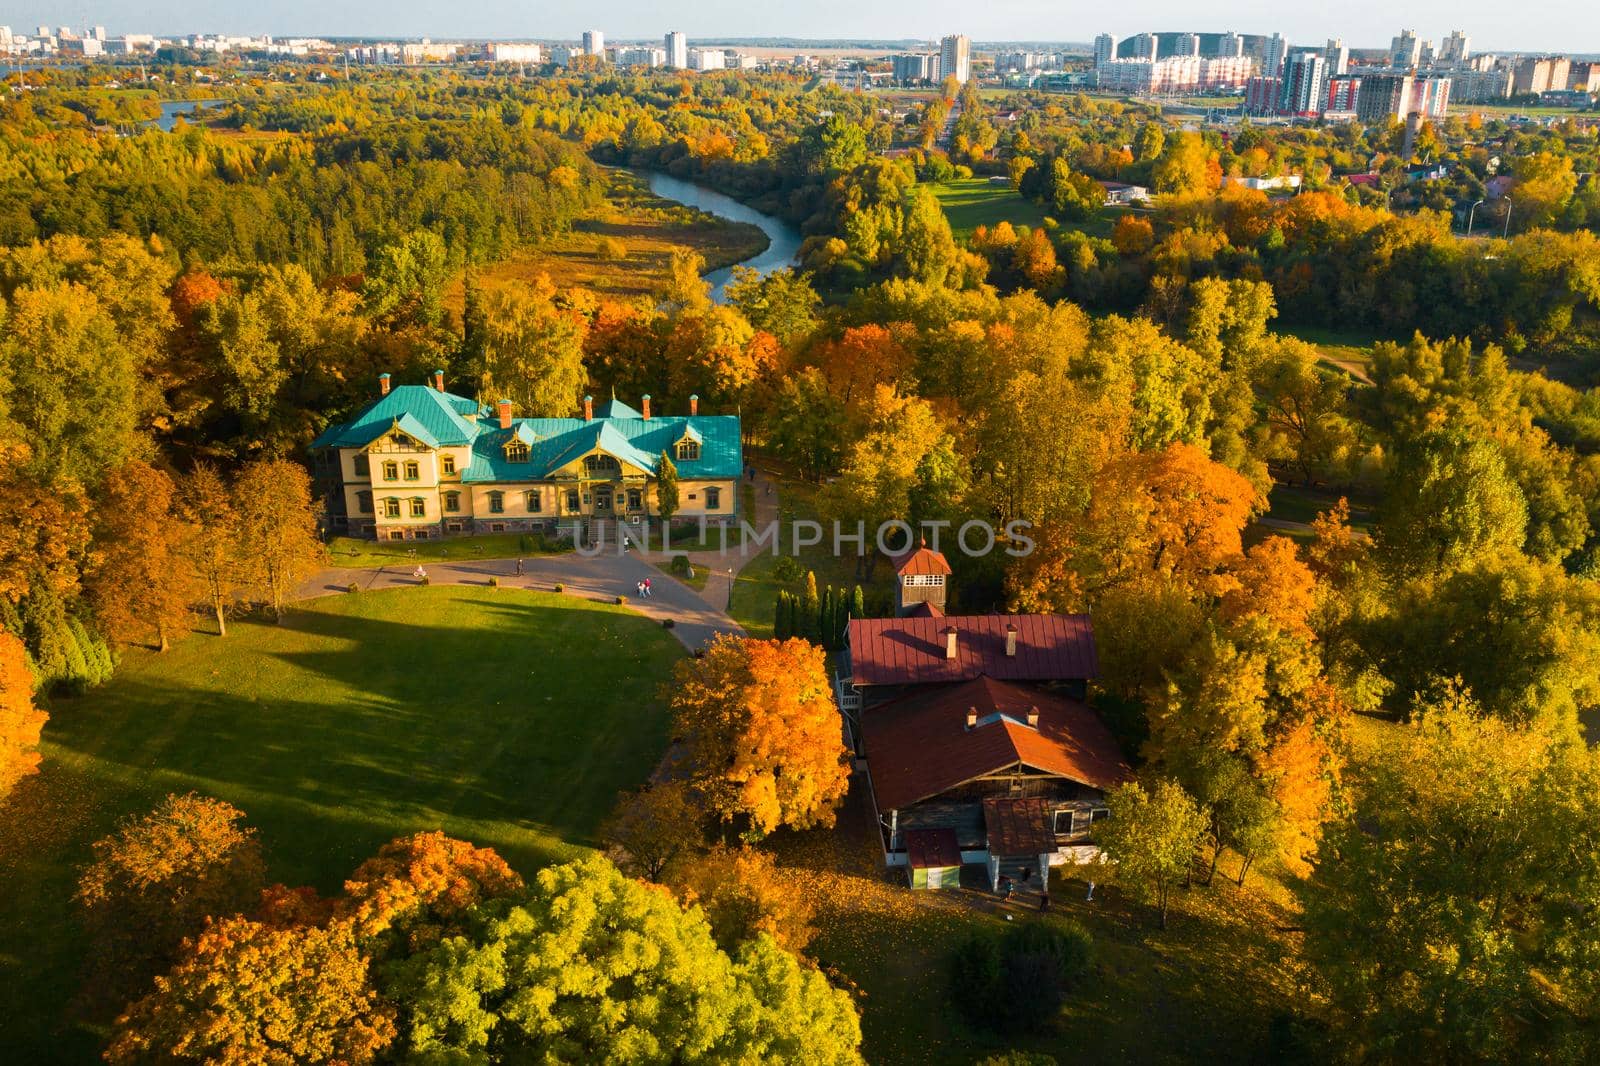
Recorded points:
(521,568)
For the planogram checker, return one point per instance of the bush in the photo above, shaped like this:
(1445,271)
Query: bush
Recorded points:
(679,565)
(427,581)
(528,543)
(1017,982)
(353,587)
(667,623)
(494,581)
(560,587)
(786,569)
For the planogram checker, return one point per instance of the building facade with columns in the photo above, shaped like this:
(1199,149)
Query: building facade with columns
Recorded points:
(419,463)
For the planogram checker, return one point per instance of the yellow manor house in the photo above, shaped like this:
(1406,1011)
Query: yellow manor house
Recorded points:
(419,463)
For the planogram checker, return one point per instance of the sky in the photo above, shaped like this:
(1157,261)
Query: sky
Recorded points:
(1494,25)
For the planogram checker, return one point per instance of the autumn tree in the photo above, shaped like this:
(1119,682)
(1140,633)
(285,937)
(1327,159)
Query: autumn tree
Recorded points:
(1152,838)
(20,721)
(244,993)
(860,360)
(656,827)
(588,964)
(419,889)
(277,528)
(137,578)
(781,302)
(744,894)
(533,351)
(213,547)
(1443,925)
(1449,499)
(762,732)
(159,876)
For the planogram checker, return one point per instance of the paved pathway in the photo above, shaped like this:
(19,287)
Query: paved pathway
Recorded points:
(600,577)
(718,589)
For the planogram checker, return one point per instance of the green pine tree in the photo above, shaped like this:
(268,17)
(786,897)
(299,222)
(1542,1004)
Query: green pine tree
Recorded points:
(858,604)
(780,620)
(666,488)
(810,605)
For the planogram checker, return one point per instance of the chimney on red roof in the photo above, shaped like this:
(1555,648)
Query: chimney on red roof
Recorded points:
(383,384)
(438,380)
(646,411)
(1033,717)
(504,407)
(1011,640)
(694,403)
(972,717)
(588,408)
(950,642)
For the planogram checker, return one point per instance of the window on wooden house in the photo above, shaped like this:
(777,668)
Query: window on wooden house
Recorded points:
(688,449)
(391,470)
(447,464)
(391,507)
(419,507)
(452,501)
(497,502)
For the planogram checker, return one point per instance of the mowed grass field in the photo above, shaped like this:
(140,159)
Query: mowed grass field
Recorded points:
(972,202)
(508,718)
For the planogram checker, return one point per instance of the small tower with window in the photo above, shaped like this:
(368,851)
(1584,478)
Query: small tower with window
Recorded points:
(922,578)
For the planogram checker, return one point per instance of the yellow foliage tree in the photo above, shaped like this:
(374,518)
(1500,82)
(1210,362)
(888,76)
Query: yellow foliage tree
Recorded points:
(20,721)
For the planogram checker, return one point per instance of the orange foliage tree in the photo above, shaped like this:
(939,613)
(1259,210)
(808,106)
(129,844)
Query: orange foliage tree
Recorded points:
(419,887)
(20,721)
(248,994)
(139,581)
(157,878)
(762,732)
(860,360)
(744,894)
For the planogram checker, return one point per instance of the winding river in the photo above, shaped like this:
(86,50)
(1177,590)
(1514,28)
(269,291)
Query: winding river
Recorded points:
(785,238)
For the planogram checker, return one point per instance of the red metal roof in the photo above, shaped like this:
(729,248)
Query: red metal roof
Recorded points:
(1017,826)
(923,560)
(932,847)
(925,609)
(919,745)
(911,651)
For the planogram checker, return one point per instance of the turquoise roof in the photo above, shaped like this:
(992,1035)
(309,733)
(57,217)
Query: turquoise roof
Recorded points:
(439,420)
(441,415)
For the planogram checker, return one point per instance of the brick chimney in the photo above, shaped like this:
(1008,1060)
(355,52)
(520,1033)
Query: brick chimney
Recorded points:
(1033,717)
(588,408)
(504,408)
(972,717)
(438,380)
(950,642)
(646,405)
(383,384)
(694,403)
(1011,640)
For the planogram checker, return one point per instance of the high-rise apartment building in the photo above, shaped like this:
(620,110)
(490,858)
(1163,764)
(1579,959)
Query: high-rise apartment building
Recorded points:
(1277,50)
(1230,45)
(1146,47)
(1301,89)
(1541,74)
(1336,58)
(1188,45)
(1383,97)
(594,43)
(915,67)
(1405,51)
(1105,50)
(955,58)
(677,50)
(1455,50)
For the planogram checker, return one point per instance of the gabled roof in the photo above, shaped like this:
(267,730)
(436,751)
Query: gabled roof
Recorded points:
(440,414)
(919,745)
(615,408)
(1017,825)
(925,609)
(911,650)
(921,560)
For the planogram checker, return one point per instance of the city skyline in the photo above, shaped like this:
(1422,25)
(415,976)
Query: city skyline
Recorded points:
(1563,25)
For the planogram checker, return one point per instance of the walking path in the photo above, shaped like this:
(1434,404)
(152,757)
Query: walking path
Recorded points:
(718,590)
(697,617)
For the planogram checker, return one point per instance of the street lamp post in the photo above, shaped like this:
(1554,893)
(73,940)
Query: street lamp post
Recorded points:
(1507,231)
(1470,213)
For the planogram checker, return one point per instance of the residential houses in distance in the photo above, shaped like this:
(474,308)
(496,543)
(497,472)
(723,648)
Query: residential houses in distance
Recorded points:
(972,731)
(418,463)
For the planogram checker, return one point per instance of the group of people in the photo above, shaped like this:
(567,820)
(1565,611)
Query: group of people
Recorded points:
(643,589)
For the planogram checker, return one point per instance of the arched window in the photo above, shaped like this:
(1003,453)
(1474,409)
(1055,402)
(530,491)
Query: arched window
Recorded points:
(688,449)
(497,502)
(452,501)
(601,465)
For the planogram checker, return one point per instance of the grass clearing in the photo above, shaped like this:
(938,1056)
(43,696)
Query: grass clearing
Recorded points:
(361,552)
(647,230)
(1347,351)
(972,202)
(1294,503)
(508,718)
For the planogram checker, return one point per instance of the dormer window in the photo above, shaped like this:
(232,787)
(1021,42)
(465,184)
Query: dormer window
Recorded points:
(517,450)
(688,449)
(601,465)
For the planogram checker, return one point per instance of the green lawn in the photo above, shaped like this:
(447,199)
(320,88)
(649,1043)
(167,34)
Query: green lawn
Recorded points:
(358,551)
(509,718)
(1349,351)
(1294,503)
(972,202)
